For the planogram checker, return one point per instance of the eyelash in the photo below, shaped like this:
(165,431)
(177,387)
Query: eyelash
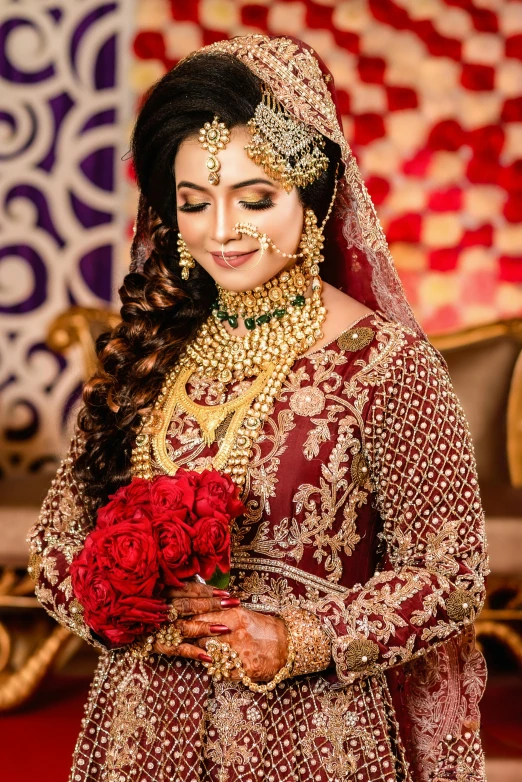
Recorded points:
(265,203)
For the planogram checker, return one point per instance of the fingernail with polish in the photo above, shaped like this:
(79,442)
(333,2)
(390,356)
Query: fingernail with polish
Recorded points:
(230,602)
(219,629)
(220,593)
(205,657)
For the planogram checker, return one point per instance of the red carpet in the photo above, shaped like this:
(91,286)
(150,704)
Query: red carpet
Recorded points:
(38,741)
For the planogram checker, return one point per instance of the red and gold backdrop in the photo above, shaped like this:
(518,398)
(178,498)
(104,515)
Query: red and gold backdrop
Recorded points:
(431,98)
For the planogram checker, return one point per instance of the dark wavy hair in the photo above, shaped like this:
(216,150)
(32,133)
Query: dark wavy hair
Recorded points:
(160,312)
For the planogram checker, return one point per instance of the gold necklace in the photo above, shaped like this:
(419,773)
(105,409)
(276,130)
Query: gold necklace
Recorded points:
(271,300)
(266,353)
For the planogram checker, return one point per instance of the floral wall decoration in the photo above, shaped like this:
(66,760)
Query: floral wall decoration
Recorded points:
(431,95)
(62,102)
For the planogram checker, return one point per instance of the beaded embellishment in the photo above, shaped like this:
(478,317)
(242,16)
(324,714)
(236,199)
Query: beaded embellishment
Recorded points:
(214,137)
(355,338)
(288,150)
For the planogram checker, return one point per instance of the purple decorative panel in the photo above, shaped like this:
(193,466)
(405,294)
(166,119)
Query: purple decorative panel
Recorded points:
(62,102)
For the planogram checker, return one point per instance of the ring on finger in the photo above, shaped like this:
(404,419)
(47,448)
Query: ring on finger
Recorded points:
(169,635)
(173,613)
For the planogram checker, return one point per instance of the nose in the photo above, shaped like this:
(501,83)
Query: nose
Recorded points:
(225,220)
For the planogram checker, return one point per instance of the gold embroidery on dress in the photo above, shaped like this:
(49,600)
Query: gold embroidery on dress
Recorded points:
(339,725)
(129,721)
(234,736)
(356,338)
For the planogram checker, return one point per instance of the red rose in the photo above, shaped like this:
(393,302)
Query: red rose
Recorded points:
(128,503)
(175,553)
(212,544)
(217,492)
(128,553)
(173,492)
(119,618)
(130,617)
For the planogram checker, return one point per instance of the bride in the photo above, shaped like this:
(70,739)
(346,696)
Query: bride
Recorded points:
(265,334)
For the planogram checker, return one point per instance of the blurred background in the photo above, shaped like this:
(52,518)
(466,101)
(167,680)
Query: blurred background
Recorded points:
(431,96)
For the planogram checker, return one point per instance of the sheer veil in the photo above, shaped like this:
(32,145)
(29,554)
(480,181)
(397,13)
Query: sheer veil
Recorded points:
(357,259)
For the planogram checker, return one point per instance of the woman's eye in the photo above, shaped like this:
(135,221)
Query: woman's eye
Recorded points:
(192,207)
(264,203)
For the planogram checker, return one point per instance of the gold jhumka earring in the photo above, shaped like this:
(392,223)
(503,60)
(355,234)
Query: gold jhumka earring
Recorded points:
(214,136)
(186,261)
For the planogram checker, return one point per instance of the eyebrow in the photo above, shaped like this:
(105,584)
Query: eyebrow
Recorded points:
(238,186)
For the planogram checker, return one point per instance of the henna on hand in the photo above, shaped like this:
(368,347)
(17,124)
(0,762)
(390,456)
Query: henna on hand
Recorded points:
(195,598)
(260,640)
(192,600)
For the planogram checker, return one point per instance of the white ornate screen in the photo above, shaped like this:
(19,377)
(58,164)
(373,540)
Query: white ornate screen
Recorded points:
(63,117)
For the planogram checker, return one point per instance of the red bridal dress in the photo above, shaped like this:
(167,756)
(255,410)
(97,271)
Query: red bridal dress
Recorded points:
(364,510)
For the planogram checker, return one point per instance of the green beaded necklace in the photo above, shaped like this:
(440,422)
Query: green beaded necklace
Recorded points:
(251,323)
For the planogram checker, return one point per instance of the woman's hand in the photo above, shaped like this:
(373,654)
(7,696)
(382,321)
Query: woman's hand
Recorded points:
(260,640)
(194,600)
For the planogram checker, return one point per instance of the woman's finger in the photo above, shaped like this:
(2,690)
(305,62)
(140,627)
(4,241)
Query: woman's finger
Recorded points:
(194,589)
(182,650)
(194,628)
(193,653)
(186,606)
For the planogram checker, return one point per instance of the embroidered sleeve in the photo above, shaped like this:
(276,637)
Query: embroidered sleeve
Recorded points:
(431,581)
(312,645)
(57,536)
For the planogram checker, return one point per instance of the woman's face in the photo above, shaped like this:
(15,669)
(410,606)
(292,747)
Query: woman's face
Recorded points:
(245,194)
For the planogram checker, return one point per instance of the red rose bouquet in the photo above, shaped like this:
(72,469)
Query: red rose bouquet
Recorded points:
(149,536)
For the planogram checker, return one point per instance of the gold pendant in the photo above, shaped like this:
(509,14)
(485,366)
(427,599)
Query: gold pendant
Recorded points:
(208,417)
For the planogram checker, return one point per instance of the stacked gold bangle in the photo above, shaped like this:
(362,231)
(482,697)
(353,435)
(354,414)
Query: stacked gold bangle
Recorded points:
(313,651)
(225,660)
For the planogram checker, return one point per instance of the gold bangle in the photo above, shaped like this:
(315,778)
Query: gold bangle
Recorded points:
(225,660)
(313,651)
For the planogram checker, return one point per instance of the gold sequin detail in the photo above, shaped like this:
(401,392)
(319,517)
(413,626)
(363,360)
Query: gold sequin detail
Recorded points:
(35,563)
(360,470)
(356,339)
(459,605)
(361,654)
(307,401)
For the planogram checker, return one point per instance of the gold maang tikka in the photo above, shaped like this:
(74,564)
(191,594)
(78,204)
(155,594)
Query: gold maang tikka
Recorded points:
(288,150)
(214,136)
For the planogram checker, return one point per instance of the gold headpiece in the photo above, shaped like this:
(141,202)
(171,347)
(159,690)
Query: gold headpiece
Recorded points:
(214,136)
(288,150)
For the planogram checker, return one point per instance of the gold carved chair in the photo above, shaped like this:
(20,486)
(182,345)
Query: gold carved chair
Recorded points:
(485,364)
(30,642)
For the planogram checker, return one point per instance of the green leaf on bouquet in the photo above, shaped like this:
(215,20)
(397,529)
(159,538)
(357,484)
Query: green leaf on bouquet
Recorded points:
(218,579)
